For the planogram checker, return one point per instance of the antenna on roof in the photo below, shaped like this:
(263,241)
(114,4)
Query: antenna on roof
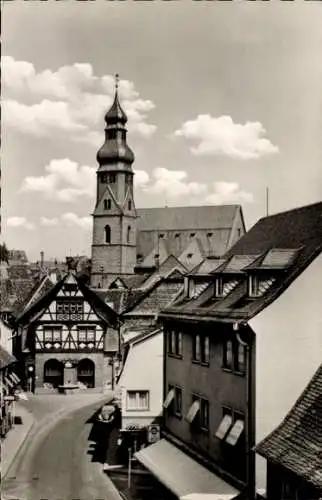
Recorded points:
(267,201)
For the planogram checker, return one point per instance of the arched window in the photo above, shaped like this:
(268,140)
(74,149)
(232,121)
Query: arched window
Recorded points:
(128,234)
(107,230)
(107,204)
(129,205)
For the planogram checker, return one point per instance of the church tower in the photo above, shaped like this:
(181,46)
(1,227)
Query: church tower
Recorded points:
(114,217)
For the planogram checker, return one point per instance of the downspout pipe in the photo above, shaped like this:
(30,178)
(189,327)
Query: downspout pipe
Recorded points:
(249,432)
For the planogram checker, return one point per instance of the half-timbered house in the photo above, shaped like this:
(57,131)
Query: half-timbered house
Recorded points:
(68,335)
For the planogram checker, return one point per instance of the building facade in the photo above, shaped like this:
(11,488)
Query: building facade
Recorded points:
(68,336)
(228,375)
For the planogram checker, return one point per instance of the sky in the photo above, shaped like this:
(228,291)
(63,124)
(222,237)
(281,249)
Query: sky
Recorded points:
(224,100)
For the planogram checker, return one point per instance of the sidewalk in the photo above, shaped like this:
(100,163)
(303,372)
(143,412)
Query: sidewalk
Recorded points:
(15,438)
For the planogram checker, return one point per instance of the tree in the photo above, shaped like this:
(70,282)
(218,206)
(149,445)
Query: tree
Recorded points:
(4,253)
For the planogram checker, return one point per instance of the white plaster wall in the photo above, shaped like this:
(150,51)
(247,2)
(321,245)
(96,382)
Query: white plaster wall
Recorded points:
(288,352)
(5,337)
(143,370)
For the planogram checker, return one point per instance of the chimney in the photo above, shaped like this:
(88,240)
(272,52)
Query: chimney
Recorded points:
(42,259)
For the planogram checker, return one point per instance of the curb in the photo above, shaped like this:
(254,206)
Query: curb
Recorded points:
(19,447)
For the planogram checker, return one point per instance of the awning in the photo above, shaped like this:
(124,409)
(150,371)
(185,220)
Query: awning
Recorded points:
(168,400)
(182,475)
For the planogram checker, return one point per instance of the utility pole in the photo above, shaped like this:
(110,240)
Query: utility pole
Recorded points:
(267,202)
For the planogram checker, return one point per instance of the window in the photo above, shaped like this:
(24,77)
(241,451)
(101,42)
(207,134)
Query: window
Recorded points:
(161,236)
(66,308)
(52,334)
(253,286)
(175,343)
(104,177)
(234,356)
(196,348)
(209,235)
(128,235)
(137,400)
(177,235)
(107,204)
(189,255)
(129,205)
(107,230)
(86,334)
(231,426)
(48,334)
(200,348)
(240,364)
(228,354)
(128,179)
(192,235)
(111,178)
(219,287)
(178,401)
(112,134)
(198,414)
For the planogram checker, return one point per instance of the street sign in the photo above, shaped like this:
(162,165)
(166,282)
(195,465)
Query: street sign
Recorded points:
(153,433)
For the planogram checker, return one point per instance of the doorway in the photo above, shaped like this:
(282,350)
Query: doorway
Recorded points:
(86,372)
(54,372)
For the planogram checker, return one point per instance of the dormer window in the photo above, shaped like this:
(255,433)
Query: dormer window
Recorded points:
(254,286)
(219,287)
(189,255)
(257,286)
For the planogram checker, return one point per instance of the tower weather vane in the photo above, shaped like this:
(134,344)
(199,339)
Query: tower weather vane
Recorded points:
(117,76)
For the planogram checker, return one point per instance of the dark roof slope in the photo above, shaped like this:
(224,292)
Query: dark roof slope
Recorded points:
(296,443)
(283,230)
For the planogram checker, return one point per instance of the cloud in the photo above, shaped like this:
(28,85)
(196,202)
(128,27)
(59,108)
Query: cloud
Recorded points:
(141,178)
(228,192)
(44,221)
(221,136)
(65,181)
(20,222)
(175,185)
(71,99)
(71,219)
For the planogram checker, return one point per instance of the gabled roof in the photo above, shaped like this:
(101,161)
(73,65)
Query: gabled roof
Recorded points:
(286,242)
(296,443)
(200,217)
(29,314)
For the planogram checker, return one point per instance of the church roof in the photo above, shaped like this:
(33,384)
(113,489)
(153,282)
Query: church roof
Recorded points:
(296,443)
(186,218)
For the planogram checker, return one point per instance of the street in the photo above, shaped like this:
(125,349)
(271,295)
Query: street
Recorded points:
(56,461)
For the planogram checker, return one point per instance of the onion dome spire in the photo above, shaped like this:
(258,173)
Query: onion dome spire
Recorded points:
(115,148)
(116,113)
